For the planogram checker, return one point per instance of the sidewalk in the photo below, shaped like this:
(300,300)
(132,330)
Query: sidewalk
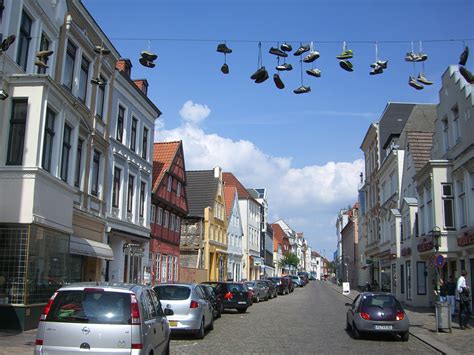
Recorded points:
(16,342)
(423,327)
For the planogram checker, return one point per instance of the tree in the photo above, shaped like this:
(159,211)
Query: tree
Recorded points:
(289,260)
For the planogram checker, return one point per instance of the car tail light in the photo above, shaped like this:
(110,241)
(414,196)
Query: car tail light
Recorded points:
(194,304)
(365,316)
(400,315)
(135,310)
(228,295)
(93,290)
(48,307)
(39,342)
(137,346)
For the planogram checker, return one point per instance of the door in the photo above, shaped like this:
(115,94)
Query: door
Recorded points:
(161,330)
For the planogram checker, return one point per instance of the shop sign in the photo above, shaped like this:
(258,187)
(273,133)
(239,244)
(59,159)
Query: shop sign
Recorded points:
(406,251)
(425,245)
(467,239)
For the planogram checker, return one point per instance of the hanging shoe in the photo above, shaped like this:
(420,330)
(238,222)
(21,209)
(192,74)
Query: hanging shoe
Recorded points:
(41,64)
(346,65)
(262,77)
(277,80)
(146,63)
(412,82)
(382,63)
(3,94)
(302,49)
(302,90)
(6,43)
(259,73)
(421,57)
(464,56)
(284,67)
(422,79)
(467,75)
(101,50)
(98,82)
(43,54)
(346,54)
(225,68)
(311,57)
(286,47)
(314,72)
(151,57)
(222,48)
(277,52)
(377,69)
(411,57)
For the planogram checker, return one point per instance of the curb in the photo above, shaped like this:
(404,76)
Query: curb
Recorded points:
(433,343)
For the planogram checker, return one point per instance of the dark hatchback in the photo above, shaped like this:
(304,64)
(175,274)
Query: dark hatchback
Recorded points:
(281,284)
(235,295)
(214,298)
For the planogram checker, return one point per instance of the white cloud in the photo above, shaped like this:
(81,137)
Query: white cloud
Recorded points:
(194,112)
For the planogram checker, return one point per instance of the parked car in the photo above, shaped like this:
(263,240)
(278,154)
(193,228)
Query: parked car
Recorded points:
(272,290)
(259,290)
(297,280)
(312,276)
(192,311)
(99,318)
(377,312)
(281,285)
(304,276)
(215,299)
(291,284)
(235,295)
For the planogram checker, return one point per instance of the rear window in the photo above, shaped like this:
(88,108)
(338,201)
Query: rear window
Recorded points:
(99,307)
(384,301)
(172,293)
(237,288)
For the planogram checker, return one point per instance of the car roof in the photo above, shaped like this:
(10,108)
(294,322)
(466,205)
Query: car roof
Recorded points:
(117,286)
(190,285)
(365,294)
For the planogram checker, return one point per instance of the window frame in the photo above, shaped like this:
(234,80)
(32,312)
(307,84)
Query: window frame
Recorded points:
(83,81)
(78,173)
(142,198)
(116,187)
(44,46)
(48,139)
(133,134)
(69,65)
(24,40)
(145,143)
(95,173)
(16,147)
(120,121)
(65,153)
(448,201)
(100,102)
(130,192)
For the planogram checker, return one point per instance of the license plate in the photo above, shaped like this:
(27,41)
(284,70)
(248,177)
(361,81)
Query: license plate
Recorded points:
(173,323)
(241,302)
(383,327)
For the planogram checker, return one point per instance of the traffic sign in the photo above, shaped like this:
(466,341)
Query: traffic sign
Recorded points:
(439,261)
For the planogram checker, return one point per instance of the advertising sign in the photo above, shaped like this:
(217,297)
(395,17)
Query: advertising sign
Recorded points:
(346,288)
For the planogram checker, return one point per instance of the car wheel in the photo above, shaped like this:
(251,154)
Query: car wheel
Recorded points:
(405,336)
(167,350)
(211,326)
(355,332)
(201,332)
(242,310)
(257,299)
(348,325)
(219,312)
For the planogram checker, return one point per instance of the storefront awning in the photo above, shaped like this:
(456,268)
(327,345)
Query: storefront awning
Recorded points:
(87,247)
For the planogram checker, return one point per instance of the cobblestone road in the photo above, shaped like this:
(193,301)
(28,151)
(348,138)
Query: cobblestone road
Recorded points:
(310,320)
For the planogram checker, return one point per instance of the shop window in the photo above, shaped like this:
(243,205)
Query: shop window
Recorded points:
(420,278)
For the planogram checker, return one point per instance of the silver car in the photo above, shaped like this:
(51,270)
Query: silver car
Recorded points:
(99,318)
(192,312)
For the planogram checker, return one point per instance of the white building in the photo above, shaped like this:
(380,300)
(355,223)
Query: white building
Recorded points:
(234,234)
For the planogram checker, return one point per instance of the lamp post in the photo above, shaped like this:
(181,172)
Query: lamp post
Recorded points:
(436,235)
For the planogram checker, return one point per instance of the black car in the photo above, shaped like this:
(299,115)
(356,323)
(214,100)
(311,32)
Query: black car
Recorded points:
(234,295)
(281,285)
(216,300)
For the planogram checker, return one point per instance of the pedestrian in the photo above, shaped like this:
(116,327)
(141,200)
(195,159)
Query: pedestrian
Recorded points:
(441,291)
(464,301)
(451,295)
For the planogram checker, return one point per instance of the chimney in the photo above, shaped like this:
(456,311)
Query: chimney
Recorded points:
(124,65)
(218,172)
(142,84)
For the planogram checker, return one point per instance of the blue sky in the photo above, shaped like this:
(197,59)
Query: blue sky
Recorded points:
(303,148)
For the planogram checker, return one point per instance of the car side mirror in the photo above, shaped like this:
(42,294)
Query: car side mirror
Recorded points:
(347,304)
(168,312)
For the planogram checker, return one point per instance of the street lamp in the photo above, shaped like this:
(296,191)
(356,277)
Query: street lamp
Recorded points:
(436,234)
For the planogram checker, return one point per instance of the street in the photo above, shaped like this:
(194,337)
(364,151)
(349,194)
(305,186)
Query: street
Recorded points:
(310,320)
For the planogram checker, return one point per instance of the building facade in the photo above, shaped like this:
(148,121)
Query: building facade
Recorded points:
(234,234)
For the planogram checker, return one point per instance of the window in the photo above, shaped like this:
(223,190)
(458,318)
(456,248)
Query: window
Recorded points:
(24,41)
(456,132)
(120,118)
(166,219)
(176,268)
(170,183)
(69,65)
(95,173)
(429,209)
(77,176)
(44,46)
(16,139)
(178,224)
(99,111)
(448,204)
(83,79)
(462,204)
(163,269)
(172,221)
(178,189)
(48,139)
(133,137)
(145,143)
(445,133)
(420,278)
(159,217)
(153,214)
(142,198)
(65,152)
(170,267)
(131,179)
(158,266)
(116,187)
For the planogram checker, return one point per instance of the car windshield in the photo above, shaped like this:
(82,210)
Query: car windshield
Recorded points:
(172,292)
(380,301)
(100,307)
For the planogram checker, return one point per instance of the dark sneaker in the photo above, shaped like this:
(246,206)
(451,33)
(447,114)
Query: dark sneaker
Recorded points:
(376,70)
(412,82)
(148,56)
(464,56)
(222,48)
(258,73)
(146,63)
(382,63)
(422,57)
(467,75)
(411,57)
(311,57)
(98,82)
(3,94)
(286,47)
(346,65)
(225,68)
(43,54)
(422,79)
(314,72)
(346,54)
(262,77)
(101,50)
(41,64)
(302,90)
(284,66)
(302,49)
(6,43)
(278,83)
(278,52)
